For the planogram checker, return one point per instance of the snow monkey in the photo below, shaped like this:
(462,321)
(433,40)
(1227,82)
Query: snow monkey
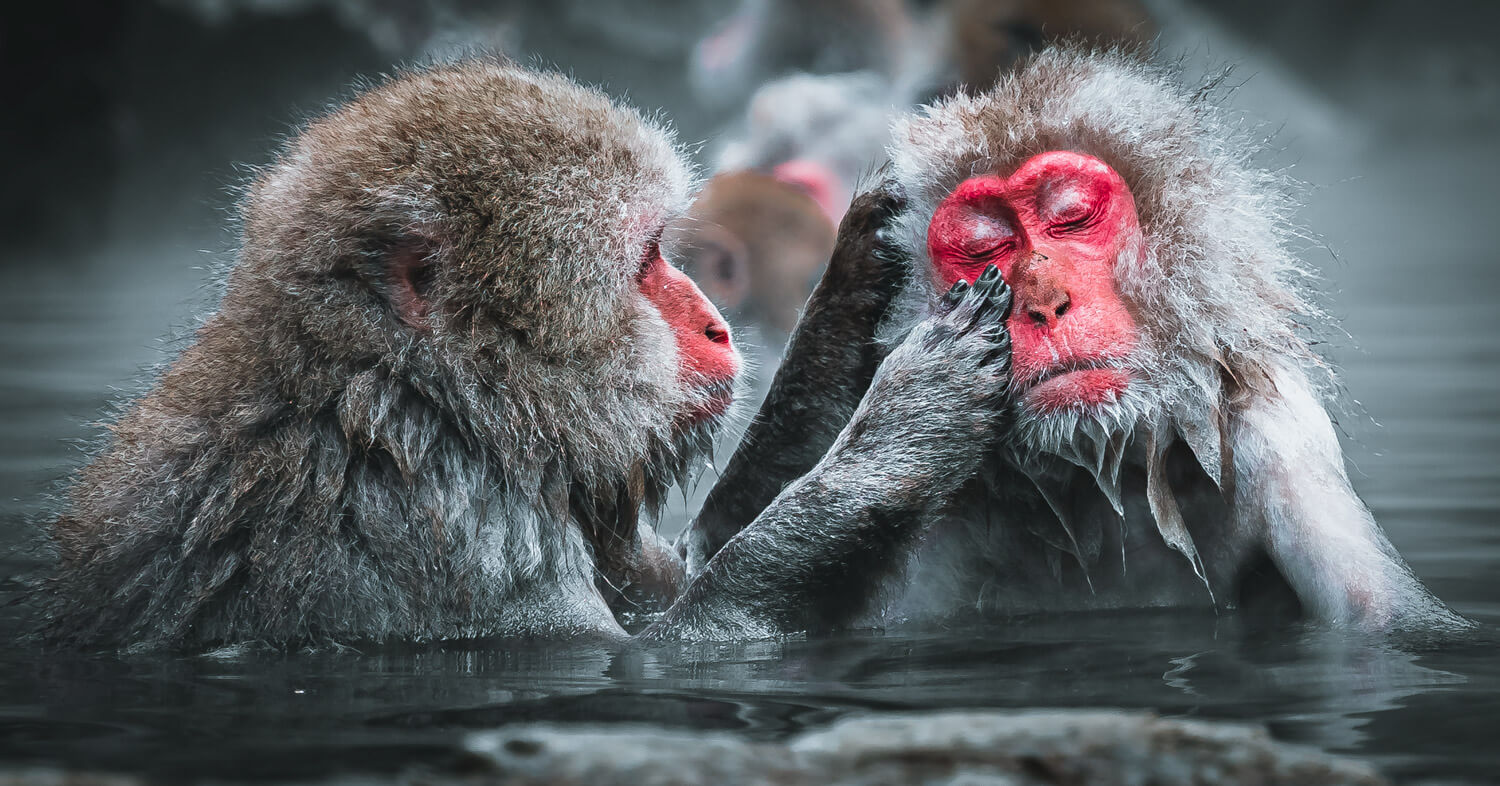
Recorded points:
(758,235)
(449,372)
(1166,442)
(755,245)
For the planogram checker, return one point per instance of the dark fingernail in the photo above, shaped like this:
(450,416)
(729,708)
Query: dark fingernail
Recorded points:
(987,281)
(957,291)
(1004,299)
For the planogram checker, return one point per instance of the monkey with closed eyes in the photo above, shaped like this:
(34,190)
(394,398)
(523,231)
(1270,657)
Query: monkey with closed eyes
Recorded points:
(1164,439)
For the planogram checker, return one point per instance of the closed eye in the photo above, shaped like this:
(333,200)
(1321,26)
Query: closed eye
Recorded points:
(982,234)
(980,253)
(1074,224)
(649,258)
(1070,207)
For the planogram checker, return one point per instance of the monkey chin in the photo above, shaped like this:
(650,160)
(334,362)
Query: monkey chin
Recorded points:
(1078,390)
(710,406)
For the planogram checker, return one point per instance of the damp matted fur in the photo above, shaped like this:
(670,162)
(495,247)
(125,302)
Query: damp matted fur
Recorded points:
(315,468)
(1220,298)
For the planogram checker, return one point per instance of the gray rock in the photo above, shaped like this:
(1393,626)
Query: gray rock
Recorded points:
(1021,748)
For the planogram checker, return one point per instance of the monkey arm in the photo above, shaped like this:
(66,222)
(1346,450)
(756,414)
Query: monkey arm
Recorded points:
(828,365)
(1291,483)
(818,555)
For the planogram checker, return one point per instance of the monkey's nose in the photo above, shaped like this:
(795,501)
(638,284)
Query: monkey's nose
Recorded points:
(1045,305)
(717,332)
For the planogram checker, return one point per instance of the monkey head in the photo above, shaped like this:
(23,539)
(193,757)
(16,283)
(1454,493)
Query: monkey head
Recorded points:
(488,236)
(756,245)
(1056,228)
(1149,262)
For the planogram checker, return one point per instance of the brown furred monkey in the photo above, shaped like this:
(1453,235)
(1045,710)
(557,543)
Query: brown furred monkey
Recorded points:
(757,237)
(755,245)
(1168,443)
(449,371)
(448,336)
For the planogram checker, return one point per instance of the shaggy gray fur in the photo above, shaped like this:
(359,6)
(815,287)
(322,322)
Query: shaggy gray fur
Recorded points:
(1216,480)
(1221,444)
(331,460)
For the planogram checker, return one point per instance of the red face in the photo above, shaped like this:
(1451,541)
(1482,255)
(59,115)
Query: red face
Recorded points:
(707,361)
(1055,228)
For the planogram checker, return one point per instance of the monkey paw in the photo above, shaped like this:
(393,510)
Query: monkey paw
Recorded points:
(867,265)
(967,335)
(980,311)
(942,392)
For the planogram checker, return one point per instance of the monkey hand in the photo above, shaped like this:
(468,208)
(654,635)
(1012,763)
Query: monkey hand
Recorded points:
(828,365)
(867,268)
(937,401)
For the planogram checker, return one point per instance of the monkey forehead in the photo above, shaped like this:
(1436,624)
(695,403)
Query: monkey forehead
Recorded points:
(746,202)
(1058,177)
(482,145)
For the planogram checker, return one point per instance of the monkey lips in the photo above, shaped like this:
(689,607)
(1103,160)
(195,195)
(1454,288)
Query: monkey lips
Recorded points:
(713,400)
(1075,388)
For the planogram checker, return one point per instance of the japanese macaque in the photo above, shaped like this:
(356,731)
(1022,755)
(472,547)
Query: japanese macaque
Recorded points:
(449,368)
(758,235)
(1165,441)
(756,245)
(449,372)
(819,134)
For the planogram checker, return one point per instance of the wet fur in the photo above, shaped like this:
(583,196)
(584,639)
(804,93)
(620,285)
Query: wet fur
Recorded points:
(1225,368)
(331,460)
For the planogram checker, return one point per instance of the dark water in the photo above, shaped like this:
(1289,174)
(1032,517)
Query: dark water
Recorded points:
(279,716)
(1397,132)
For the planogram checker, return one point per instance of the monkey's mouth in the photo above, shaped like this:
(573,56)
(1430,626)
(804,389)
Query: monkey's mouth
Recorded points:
(713,400)
(1078,385)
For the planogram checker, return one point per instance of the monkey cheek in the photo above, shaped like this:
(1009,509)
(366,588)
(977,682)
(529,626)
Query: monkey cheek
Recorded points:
(1077,390)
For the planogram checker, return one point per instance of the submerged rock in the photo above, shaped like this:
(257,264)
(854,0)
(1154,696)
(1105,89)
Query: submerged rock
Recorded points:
(1021,748)
(1000,748)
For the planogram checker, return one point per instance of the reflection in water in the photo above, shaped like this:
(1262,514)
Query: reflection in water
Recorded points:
(276,715)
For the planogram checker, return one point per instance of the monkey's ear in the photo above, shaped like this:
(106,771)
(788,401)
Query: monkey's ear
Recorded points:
(410,270)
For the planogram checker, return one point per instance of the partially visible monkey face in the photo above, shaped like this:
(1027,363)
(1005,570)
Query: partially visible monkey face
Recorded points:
(756,244)
(1056,228)
(707,360)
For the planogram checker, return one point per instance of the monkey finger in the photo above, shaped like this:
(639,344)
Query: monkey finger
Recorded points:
(890,197)
(1002,300)
(999,354)
(874,208)
(955,294)
(988,281)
